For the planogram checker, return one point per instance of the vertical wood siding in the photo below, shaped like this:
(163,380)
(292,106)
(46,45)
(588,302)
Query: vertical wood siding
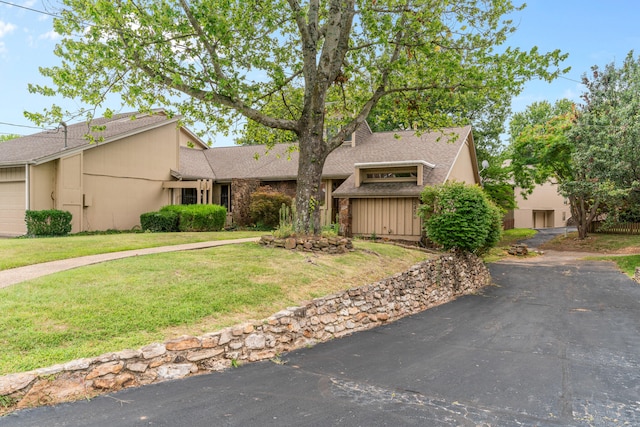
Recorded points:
(386,217)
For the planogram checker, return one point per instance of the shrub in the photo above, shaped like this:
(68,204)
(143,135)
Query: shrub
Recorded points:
(199,217)
(460,217)
(50,222)
(265,206)
(161,221)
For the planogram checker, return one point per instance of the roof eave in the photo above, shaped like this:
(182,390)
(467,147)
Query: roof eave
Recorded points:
(75,150)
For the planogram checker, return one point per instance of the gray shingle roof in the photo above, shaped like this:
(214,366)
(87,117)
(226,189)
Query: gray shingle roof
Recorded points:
(194,165)
(280,163)
(48,145)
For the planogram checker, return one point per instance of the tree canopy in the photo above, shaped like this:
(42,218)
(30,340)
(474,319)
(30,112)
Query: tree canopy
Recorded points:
(328,63)
(592,151)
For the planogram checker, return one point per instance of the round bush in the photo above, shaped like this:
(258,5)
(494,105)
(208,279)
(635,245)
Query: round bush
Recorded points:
(461,217)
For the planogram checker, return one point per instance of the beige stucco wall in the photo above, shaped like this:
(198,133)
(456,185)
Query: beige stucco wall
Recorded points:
(541,209)
(42,186)
(12,201)
(186,140)
(462,169)
(123,179)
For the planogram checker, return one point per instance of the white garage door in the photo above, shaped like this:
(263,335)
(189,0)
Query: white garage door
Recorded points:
(12,202)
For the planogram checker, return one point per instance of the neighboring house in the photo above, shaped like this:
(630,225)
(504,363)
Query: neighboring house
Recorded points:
(371,184)
(105,184)
(543,208)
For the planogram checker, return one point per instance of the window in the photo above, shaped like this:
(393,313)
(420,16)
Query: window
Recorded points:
(189,196)
(224,196)
(404,174)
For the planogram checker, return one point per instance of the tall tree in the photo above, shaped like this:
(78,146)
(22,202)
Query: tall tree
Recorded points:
(541,150)
(607,136)
(217,60)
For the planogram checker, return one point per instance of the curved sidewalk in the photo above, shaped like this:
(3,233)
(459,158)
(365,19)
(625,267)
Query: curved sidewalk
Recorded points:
(21,274)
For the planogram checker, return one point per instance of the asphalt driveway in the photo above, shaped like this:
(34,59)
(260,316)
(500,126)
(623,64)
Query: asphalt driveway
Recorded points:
(554,343)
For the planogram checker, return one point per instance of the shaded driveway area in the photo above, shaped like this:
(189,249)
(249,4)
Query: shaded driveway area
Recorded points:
(555,342)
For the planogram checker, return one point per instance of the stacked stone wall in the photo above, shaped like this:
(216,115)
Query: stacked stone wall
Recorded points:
(428,284)
(331,245)
(241,190)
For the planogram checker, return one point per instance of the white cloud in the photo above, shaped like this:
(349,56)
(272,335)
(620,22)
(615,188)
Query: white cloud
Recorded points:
(3,49)
(6,28)
(50,35)
(29,3)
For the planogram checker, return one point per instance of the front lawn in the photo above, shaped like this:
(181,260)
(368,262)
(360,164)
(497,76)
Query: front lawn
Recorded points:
(596,242)
(135,301)
(25,251)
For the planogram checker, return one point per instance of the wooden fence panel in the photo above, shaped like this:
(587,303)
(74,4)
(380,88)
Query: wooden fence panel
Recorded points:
(619,228)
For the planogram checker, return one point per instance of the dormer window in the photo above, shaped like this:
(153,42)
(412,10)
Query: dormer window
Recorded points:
(409,174)
(402,171)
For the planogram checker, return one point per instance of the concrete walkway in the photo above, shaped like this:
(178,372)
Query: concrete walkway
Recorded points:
(21,274)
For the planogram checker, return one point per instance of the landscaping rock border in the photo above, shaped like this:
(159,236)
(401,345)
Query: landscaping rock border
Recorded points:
(428,284)
(331,245)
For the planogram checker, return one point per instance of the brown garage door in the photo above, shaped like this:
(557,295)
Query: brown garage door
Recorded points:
(12,203)
(392,218)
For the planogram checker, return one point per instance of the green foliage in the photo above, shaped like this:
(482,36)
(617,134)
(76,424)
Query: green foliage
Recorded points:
(331,230)
(265,206)
(540,148)
(161,221)
(199,217)
(286,219)
(9,136)
(50,222)
(606,139)
(501,194)
(320,65)
(461,217)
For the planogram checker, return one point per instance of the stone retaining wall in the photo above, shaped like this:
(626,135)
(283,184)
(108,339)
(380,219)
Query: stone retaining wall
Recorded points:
(428,284)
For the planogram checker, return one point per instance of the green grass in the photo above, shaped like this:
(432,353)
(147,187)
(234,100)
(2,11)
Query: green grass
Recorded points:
(132,302)
(509,237)
(21,252)
(602,243)
(626,264)
(595,242)
(516,234)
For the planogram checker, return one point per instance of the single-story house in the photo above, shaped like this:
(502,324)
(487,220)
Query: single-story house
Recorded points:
(139,163)
(105,184)
(371,183)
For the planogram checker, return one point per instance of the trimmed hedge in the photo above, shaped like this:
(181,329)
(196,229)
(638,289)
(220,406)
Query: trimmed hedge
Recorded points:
(199,217)
(51,222)
(162,221)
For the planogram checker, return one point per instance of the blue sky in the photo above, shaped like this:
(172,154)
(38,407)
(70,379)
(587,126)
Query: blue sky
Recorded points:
(593,32)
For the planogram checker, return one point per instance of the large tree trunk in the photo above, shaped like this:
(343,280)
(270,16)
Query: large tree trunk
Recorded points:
(583,214)
(313,153)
